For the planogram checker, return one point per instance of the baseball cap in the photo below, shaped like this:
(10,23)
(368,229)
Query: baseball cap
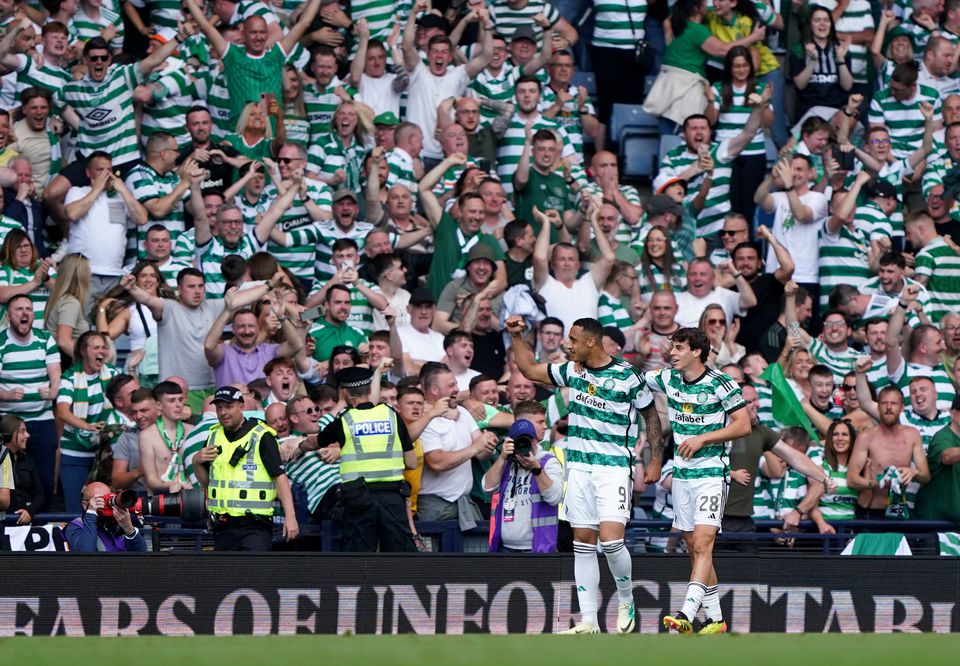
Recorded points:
(481,251)
(433,21)
(422,296)
(386,119)
(524,32)
(522,428)
(660,204)
(344,193)
(228,394)
(884,189)
(616,335)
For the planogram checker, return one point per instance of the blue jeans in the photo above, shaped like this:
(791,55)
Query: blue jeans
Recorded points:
(779,100)
(42,449)
(656,39)
(73,477)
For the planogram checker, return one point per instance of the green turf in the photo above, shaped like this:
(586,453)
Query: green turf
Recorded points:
(780,650)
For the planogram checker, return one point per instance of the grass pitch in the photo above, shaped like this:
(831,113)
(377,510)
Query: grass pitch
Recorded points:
(782,650)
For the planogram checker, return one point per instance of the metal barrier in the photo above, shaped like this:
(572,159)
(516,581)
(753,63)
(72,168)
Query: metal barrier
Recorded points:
(172,534)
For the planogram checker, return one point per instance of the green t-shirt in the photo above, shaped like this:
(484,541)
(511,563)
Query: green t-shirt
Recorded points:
(685,51)
(451,246)
(328,336)
(546,192)
(940,499)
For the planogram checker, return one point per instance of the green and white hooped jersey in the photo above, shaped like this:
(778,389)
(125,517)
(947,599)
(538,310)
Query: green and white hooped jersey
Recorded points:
(610,312)
(841,504)
(211,256)
(106,112)
(618,23)
(697,408)
(569,114)
(732,121)
(603,417)
(941,266)
(300,259)
(311,473)
(499,87)
(941,380)
(927,428)
(163,13)
(717,205)
(513,140)
(23,365)
(903,119)
(507,19)
(174,92)
(840,363)
(843,259)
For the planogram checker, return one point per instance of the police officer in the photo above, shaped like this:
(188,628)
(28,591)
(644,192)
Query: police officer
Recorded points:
(375,448)
(242,471)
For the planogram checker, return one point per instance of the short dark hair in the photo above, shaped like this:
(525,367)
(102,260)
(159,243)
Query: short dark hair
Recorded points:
(692,117)
(279,361)
(382,263)
(479,379)
(189,271)
(332,288)
(544,135)
(590,326)
(820,370)
(906,73)
(114,385)
(322,393)
(696,339)
(96,44)
(893,257)
(343,244)
(841,296)
(409,389)
(429,373)
(141,394)
(29,94)
(552,321)
(455,336)
(747,245)
(17,297)
(513,230)
(166,388)
(529,78)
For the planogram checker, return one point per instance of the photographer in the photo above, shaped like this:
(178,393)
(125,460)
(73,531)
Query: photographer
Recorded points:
(103,528)
(530,483)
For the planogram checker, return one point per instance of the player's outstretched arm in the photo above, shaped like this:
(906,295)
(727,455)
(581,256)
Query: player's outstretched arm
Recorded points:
(523,354)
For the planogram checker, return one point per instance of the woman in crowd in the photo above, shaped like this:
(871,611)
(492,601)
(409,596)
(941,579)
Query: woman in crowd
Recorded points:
(821,66)
(658,266)
(337,157)
(728,113)
(833,457)
(23,272)
(118,313)
(26,497)
(255,137)
(713,322)
(796,363)
(294,110)
(64,316)
(679,89)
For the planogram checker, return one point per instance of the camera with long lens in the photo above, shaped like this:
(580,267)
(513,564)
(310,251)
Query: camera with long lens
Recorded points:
(191,504)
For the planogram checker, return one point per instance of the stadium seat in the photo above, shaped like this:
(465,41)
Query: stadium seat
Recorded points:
(632,116)
(638,154)
(588,80)
(667,143)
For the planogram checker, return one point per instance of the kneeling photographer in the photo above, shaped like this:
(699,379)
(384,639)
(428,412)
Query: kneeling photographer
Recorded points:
(105,525)
(530,483)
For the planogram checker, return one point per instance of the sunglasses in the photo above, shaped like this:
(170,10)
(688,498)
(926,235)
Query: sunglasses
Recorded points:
(732,232)
(287,160)
(849,387)
(310,410)
(98,58)
(714,322)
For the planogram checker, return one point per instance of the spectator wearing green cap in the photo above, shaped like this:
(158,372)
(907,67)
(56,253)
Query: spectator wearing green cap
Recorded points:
(890,47)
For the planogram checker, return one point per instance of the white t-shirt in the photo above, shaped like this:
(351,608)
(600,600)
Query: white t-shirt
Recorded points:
(399,302)
(690,307)
(463,381)
(421,347)
(425,93)
(800,240)
(569,305)
(446,435)
(101,234)
(379,95)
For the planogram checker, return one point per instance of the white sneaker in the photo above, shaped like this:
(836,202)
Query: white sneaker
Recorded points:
(626,621)
(581,628)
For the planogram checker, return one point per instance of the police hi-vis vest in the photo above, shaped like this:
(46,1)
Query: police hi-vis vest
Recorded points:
(246,488)
(371,447)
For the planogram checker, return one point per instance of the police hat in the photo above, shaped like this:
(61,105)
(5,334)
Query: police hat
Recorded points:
(354,377)
(228,394)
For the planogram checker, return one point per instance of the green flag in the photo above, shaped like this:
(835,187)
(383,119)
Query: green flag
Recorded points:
(786,408)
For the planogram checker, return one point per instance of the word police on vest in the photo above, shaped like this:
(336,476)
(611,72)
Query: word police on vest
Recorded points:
(371,428)
(523,435)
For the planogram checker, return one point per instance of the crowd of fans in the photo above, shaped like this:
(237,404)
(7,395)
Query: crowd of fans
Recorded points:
(261,194)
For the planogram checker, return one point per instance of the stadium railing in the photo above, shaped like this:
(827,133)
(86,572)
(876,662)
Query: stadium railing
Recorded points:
(447,537)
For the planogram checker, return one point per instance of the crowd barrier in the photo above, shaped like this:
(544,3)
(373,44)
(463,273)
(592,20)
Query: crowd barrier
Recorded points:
(223,594)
